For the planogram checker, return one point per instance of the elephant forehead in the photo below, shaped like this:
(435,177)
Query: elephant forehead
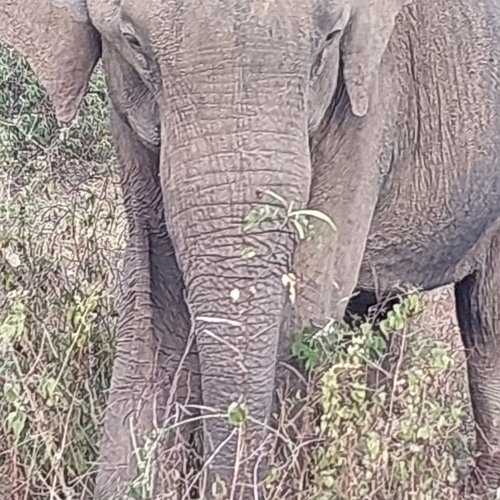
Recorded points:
(103,13)
(221,14)
(297,8)
(78,8)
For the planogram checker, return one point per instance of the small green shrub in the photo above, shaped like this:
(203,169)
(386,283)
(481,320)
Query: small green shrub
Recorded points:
(400,440)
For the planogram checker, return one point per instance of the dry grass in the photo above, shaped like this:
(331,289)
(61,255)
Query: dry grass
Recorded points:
(61,229)
(60,235)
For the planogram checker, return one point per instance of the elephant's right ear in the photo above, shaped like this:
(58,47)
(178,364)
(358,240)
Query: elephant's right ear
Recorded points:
(60,44)
(363,44)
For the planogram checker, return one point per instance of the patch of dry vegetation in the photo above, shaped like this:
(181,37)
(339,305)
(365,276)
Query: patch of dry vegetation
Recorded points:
(60,235)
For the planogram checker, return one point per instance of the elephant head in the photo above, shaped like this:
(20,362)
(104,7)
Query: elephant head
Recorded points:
(60,43)
(237,89)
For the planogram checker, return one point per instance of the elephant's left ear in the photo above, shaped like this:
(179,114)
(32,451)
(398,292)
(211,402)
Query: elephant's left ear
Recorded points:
(60,44)
(363,44)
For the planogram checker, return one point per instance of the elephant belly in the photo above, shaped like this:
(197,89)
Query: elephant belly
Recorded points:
(404,263)
(428,242)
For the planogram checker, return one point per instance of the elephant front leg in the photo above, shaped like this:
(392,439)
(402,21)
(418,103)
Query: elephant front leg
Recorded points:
(345,187)
(155,367)
(478,310)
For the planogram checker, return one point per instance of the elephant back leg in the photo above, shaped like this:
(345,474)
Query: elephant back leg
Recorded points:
(155,365)
(478,309)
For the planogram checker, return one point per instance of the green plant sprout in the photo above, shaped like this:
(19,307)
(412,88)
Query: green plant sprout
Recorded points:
(299,218)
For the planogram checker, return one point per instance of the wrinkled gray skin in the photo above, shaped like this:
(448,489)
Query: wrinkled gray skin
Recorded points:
(214,101)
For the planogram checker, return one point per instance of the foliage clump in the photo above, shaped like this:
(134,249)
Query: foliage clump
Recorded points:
(400,438)
(60,242)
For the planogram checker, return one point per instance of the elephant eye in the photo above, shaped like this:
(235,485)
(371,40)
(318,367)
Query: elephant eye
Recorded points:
(132,40)
(139,54)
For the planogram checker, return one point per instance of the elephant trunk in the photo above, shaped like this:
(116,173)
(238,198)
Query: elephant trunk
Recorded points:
(230,135)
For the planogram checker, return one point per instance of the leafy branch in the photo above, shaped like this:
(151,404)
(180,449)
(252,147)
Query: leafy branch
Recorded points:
(299,218)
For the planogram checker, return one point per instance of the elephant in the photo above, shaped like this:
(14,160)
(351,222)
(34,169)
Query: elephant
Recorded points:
(382,115)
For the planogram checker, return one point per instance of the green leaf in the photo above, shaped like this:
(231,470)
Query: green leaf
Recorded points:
(248,252)
(15,421)
(424,433)
(315,214)
(276,197)
(299,228)
(237,413)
